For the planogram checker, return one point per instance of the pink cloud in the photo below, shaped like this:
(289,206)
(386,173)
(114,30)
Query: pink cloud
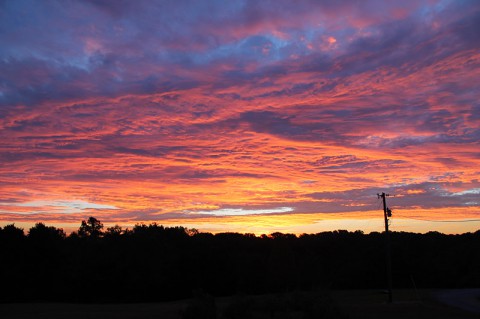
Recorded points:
(211,108)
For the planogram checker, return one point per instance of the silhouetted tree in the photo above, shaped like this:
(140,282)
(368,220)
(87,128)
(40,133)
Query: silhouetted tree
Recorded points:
(279,235)
(167,263)
(42,233)
(91,228)
(13,263)
(11,233)
(114,231)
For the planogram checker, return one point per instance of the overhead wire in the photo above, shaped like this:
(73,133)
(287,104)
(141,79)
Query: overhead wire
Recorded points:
(438,221)
(441,221)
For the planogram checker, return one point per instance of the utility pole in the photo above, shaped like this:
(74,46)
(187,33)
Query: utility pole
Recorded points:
(387,213)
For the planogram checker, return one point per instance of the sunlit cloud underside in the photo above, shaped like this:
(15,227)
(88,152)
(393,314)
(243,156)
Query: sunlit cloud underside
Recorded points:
(241,116)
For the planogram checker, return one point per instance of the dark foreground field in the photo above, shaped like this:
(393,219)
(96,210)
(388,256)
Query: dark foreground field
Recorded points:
(439,304)
(153,271)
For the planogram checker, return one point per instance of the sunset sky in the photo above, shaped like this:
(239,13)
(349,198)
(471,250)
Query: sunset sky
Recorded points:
(245,116)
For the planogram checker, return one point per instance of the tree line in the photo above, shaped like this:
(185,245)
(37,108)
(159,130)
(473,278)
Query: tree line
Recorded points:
(157,263)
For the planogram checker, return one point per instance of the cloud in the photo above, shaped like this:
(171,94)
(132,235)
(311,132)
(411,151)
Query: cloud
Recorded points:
(159,108)
(428,195)
(57,206)
(242,212)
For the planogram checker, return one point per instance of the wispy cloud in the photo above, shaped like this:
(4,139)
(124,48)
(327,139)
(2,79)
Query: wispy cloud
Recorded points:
(55,206)
(242,212)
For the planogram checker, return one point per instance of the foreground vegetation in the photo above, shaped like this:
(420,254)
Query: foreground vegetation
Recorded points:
(156,263)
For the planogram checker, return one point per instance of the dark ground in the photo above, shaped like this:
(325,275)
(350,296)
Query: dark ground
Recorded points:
(438,304)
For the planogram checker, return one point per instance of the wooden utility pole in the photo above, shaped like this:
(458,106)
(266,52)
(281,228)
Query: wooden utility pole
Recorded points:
(387,213)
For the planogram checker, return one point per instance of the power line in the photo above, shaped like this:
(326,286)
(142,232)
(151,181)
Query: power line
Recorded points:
(442,221)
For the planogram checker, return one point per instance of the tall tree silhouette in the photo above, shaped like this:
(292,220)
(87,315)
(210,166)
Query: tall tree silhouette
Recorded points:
(92,228)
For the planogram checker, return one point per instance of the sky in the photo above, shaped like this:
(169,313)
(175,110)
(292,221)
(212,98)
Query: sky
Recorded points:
(241,116)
